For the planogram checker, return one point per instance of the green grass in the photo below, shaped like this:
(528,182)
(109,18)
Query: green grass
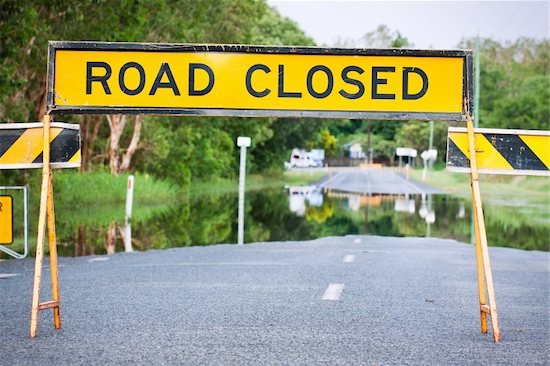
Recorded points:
(535,188)
(254,182)
(99,198)
(513,201)
(98,188)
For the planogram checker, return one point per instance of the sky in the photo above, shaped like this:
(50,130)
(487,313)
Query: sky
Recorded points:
(426,24)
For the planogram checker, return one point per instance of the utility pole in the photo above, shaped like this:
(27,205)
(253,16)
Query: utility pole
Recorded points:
(476,118)
(369,148)
(476,84)
(431,161)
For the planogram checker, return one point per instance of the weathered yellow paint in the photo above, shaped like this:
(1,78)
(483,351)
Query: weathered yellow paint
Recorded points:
(540,145)
(28,146)
(6,220)
(486,155)
(76,158)
(444,93)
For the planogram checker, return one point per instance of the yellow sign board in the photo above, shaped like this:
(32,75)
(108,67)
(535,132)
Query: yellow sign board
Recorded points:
(86,77)
(6,220)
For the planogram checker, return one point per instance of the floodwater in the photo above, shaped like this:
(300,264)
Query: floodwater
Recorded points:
(299,213)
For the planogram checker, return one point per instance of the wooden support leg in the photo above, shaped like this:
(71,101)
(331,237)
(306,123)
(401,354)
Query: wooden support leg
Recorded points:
(482,251)
(41,227)
(480,277)
(46,216)
(53,255)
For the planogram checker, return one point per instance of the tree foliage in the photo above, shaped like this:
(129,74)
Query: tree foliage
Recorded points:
(515,85)
(175,148)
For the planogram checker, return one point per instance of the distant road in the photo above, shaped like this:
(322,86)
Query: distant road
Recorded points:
(375,181)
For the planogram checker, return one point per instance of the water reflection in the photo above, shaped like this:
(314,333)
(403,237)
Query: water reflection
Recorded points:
(295,213)
(300,196)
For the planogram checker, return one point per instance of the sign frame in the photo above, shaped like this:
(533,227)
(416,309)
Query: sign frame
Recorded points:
(467,80)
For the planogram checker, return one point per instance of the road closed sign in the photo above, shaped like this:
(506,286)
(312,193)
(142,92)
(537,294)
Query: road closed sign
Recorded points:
(239,80)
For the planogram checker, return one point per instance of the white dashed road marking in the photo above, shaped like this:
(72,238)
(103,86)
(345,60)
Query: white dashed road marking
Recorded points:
(98,259)
(349,259)
(333,291)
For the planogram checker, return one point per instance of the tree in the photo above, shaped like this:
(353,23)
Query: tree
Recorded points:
(328,142)
(416,134)
(119,163)
(381,37)
(514,82)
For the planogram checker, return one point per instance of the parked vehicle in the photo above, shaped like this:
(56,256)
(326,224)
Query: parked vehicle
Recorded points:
(303,159)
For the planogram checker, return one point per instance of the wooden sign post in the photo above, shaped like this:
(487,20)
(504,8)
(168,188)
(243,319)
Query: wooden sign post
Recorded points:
(484,274)
(46,214)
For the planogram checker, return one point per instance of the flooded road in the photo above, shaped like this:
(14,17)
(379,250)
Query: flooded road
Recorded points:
(295,213)
(377,181)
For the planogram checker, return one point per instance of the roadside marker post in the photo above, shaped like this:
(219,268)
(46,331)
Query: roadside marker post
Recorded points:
(128,215)
(243,142)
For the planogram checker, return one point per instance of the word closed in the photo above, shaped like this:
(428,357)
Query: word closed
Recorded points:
(258,81)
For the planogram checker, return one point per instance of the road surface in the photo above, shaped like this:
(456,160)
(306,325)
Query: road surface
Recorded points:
(375,181)
(350,300)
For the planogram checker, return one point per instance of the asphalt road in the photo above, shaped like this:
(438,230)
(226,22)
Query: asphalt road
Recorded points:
(341,301)
(375,181)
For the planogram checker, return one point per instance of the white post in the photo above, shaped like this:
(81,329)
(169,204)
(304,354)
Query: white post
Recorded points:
(243,142)
(128,227)
(424,170)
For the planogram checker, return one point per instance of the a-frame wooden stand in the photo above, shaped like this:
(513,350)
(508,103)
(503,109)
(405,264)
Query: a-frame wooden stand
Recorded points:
(46,214)
(484,274)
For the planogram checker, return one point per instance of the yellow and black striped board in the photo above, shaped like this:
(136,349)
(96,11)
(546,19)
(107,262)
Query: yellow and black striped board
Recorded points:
(500,151)
(21,145)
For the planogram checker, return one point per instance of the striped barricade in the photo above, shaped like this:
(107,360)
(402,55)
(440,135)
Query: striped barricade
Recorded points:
(500,151)
(21,145)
